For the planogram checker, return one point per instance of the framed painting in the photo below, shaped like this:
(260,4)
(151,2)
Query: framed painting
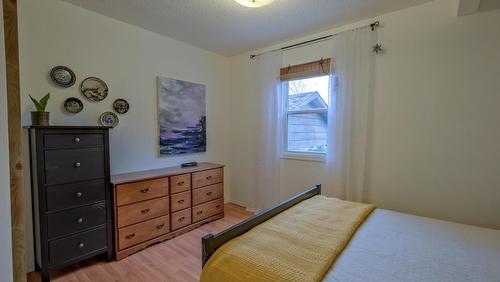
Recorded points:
(182,117)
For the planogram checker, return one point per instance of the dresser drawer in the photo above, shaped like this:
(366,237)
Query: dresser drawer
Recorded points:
(207,210)
(141,191)
(75,220)
(181,219)
(142,211)
(72,140)
(141,232)
(208,177)
(180,201)
(207,193)
(74,195)
(70,165)
(180,183)
(76,246)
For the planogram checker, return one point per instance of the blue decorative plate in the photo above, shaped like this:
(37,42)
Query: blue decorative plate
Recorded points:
(108,119)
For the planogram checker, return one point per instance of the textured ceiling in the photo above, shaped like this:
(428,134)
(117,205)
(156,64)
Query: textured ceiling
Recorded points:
(227,28)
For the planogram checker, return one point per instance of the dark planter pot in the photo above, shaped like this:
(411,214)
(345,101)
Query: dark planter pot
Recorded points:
(40,118)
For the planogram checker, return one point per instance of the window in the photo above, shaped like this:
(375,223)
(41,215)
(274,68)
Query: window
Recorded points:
(306,89)
(306,115)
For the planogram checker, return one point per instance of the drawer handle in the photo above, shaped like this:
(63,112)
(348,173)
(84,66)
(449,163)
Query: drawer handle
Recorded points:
(81,245)
(209,193)
(217,206)
(180,201)
(198,213)
(79,194)
(160,226)
(130,236)
(77,140)
(77,164)
(180,183)
(145,190)
(145,211)
(181,219)
(79,220)
(209,177)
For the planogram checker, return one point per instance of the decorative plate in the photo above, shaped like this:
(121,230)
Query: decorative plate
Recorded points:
(121,106)
(108,119)
(94,89)
(73,105)
(62,76)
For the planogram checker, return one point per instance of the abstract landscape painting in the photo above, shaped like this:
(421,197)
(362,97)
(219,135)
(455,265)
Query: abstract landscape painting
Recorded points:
(181,108)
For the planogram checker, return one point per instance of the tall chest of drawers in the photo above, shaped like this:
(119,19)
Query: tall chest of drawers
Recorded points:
(72,205)
(156,205)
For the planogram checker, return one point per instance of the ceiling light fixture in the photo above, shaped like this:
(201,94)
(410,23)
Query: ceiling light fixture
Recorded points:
(254,3)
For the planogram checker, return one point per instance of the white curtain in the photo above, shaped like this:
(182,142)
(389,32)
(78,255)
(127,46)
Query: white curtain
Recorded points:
(351,100)
(268,138)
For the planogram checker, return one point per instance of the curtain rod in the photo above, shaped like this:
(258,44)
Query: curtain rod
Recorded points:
(373,26)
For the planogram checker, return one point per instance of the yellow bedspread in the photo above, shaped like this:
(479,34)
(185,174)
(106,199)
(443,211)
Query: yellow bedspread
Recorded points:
(299,244)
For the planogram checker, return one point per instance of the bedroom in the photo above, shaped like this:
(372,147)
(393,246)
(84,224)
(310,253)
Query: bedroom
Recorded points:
(428,144)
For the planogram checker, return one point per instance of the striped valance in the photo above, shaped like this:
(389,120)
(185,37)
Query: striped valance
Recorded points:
(307,70)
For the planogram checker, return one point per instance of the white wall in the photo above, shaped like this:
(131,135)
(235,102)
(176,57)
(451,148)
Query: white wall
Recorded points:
(434,144)
(5,224)
(128,59)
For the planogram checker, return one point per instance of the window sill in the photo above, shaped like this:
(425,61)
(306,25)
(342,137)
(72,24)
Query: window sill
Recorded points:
(304,157)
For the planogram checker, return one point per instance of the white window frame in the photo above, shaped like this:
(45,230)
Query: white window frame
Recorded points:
(285,154)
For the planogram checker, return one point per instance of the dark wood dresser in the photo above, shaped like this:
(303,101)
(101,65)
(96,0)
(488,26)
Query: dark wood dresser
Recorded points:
(156,205)
(72,202)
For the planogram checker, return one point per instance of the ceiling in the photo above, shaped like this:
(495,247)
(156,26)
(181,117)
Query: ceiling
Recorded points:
(227,28)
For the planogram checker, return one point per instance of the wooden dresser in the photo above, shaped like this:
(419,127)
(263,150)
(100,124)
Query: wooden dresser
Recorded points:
(156,205)
(72,208)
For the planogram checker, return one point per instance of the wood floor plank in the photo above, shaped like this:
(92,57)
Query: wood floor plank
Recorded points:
(175,260)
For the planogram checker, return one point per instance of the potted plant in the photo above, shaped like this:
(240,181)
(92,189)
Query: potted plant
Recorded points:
(40,117)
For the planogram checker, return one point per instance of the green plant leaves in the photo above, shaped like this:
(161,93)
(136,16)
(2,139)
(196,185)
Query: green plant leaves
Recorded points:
(42,104)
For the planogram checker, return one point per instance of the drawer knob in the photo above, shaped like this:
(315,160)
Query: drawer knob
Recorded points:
(81,245)
(130,236)
(160,226)
(77,164)
(209,193)
(77,140)
(79,194)
(79,220)
(180,201)
(209,177)
(200,212)
(145,190)
(181,219)
(180,183)
(145,211)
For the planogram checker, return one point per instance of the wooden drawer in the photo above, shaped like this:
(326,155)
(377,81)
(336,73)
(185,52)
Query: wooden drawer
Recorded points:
(180,201)
(180,183)
(134,213)
(181,219)
(81,244)
(75,220)
(141,191)
(72,140)
(207,210)
(141,232)
(207,193)
(71,165)
(75,195)
(208,177)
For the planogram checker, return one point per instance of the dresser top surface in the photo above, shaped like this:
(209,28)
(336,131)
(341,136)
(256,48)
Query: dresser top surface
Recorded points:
(66,127)
(160,172)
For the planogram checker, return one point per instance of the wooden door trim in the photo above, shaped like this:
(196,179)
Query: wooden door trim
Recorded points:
(17,198)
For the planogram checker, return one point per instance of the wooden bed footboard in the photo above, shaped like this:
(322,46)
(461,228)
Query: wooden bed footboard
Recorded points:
(211,242)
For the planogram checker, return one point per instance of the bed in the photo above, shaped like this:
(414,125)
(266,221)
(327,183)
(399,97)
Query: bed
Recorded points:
(393,246)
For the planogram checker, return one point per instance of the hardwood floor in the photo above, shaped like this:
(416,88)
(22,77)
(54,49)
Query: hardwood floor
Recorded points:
(178,259)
